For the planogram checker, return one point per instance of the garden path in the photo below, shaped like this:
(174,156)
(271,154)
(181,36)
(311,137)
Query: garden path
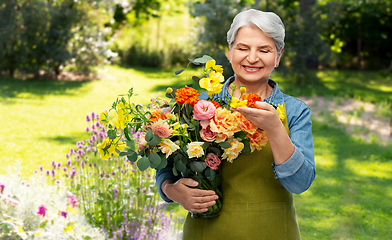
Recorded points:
(360,118)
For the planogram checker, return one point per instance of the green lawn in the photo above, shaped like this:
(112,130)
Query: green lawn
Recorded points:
(350,198)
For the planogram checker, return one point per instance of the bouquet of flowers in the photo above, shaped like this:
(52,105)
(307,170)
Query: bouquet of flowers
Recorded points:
(188,135)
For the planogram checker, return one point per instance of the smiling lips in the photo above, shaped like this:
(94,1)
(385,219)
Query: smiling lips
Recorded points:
(252,69)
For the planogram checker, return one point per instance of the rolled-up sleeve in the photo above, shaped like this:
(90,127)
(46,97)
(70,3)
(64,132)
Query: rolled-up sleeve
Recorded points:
(298,172)
(161,176)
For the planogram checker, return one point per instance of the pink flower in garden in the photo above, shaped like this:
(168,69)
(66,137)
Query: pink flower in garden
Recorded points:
(212,161)
(207,135)
(64,214)
(161,129)
(204,111)
(42,210)
(2,188)
(72,200)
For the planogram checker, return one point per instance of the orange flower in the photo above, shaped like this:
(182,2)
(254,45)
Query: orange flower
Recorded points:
(156,115)
(216,104)
(245,124)
(187,95)
(252,99)
(225,122)
(161,129)
(257,140)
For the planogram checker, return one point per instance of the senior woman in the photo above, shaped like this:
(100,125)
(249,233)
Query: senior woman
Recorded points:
(257,187)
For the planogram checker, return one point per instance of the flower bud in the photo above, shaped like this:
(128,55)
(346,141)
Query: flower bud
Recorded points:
(169,90)
(242,90)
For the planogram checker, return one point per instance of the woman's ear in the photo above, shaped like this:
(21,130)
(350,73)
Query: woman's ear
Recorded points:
(278,58)
(229,54)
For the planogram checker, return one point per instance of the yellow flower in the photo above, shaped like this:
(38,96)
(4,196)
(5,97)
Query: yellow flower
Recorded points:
(232,153)
(195,149)
(169,90)
(213,83)
(106,148)
(281,111)
(210,65)
(235,102)
(242,90)
(168,147)
(103,118)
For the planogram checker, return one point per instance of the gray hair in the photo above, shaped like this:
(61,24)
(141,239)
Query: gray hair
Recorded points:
(268,22)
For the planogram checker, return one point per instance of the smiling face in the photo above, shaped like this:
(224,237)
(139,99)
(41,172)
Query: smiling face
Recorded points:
(253,56)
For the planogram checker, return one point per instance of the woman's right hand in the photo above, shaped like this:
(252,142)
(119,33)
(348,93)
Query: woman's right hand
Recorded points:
(184,192)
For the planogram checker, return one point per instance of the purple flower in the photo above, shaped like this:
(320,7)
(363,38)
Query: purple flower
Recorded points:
(59,165)
(69,163)
(72,200)
(64,214)
(87,129)
(42,210)
(93,138)
(92,115)
(47,172)
(88,119)
(93,127)
(113,173)
(67,155)
(58,182)
(2,188)
(64,169)
(80,152)
(36,172)
(71,151)
(53,172)
(41,168)
(54,164)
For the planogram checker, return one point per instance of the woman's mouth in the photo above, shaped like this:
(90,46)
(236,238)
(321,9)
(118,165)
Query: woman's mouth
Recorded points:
(251,69)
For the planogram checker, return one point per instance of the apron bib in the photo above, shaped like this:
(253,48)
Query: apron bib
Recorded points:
(255,204)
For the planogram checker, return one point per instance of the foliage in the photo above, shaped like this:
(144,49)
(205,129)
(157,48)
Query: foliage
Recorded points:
(39,209)
(111,194)
(50,36)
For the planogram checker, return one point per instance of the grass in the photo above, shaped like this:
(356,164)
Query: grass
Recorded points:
(41,120)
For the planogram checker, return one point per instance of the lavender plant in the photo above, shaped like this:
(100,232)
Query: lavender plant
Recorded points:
(112,193)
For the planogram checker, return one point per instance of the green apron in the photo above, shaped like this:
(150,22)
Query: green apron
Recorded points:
(255,204)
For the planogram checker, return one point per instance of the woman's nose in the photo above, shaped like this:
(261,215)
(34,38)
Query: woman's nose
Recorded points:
(253,57)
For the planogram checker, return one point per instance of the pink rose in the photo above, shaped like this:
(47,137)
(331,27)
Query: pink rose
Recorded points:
(203,110)
(207,135)
(212,161)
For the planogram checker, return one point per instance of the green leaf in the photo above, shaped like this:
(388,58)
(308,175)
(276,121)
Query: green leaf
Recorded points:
(210,174)
(246,147)
(143,163)
(132,157)
(215,150)
(198,166)
(78,187)
(196,79)
(240,134)
(225,145)
(203,59)
(149,136)
(177,158)
(175,170)
(43,224)
(154,141)
(178,72)
(205,145)
(163,163)
(155,160)
(127,134)
(180,166)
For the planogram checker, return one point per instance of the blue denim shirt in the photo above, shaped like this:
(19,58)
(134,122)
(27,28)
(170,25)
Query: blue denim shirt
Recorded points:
(298,172)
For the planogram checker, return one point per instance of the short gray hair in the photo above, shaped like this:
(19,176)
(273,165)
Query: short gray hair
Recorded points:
(268,22)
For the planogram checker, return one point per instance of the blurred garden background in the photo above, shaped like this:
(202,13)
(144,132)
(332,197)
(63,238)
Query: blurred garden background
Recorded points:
(63,62)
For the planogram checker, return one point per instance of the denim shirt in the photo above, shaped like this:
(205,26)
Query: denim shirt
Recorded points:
(298,172)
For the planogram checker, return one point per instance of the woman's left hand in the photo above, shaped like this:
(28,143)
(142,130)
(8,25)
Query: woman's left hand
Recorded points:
(266,118)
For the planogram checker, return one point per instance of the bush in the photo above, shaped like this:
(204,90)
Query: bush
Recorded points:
(47,36)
